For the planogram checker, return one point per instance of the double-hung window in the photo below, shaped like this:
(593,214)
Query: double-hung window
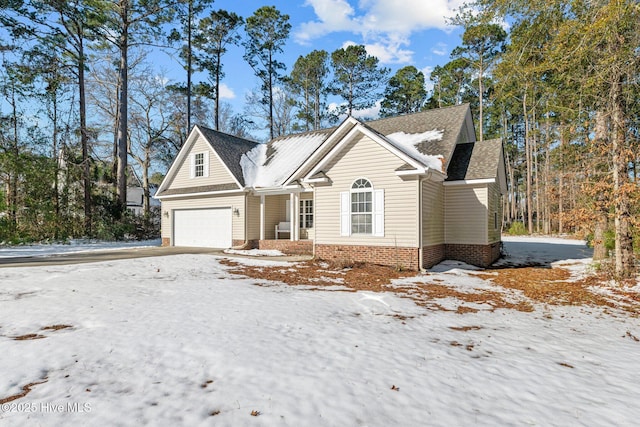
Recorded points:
(306,213)
(199,165)
(362,209)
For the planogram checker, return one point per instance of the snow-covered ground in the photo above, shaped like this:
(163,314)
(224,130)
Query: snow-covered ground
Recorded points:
(179,340)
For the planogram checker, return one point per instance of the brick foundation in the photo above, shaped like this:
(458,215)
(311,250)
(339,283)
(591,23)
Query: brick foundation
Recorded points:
(405,258)
(479,255)
(432,255)
(166,241)
(289,247)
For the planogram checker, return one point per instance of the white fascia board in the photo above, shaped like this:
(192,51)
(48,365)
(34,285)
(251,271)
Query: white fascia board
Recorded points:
(315,180)
(422,171)
(470,182)
(186,147)
(348,121)
(429,173)
(287,189)
(207,193)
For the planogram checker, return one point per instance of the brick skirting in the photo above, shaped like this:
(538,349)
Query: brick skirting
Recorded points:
(479,255)
(432,255)
(289,247)
(166,241)
(404,258)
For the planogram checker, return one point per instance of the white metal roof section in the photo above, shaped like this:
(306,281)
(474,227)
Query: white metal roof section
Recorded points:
(269,165)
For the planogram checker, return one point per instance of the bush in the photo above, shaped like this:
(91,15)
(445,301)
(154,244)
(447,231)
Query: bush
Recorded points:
(609,240)
(517,229)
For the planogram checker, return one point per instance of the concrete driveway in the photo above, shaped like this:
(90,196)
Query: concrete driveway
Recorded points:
(102,255)
(124,253)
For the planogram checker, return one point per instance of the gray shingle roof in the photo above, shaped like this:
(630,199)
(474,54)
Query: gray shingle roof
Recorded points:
(448,119)
(230,149)
(477,160)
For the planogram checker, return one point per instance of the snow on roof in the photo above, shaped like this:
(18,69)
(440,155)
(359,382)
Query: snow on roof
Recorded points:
(407,142)
(269,165)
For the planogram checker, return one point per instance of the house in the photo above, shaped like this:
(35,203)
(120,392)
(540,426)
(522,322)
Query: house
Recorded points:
(406,191)
(135,199)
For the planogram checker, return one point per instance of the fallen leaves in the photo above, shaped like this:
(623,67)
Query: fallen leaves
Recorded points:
(25,390)
(514,288)
(28,337)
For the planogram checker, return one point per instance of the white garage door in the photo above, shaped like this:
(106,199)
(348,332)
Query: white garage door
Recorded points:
(208,228)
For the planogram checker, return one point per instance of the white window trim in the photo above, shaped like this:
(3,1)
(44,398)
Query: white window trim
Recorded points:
(377,213)
(304,215)
(205,169)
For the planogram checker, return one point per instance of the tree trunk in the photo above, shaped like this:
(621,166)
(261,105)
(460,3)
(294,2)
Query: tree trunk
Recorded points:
(271,95)
(190,70)
(123,107)
(56,168)
(599,247)
(217,89)
(481,98)
(561,181)
(625,265)
(527,146)
(84,137)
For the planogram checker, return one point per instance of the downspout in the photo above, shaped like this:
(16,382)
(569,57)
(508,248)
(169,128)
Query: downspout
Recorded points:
(420,248)
(420,219)
(315,222)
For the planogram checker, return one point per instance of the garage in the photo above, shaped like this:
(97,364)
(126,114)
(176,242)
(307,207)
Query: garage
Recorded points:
(207,228)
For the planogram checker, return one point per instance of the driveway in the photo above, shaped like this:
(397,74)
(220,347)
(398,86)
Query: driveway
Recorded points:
(124,253)
(104,255)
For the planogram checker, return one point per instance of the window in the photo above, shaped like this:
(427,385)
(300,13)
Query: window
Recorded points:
(362,210)
(361,207)
(495,220)
(199,164)
(306,213)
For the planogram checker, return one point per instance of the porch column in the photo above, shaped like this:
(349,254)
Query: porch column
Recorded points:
(262,217)
(296,211)
(292,216)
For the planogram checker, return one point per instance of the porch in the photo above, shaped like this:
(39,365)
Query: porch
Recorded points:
(286,219)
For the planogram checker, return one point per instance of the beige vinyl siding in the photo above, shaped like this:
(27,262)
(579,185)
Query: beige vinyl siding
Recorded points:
(466,214)
(218,173)
(432,213)
(364,158)
(232,201)
(253,217)
(274,213)
(495,206)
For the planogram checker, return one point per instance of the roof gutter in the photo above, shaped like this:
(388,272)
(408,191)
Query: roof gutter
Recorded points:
(207,193)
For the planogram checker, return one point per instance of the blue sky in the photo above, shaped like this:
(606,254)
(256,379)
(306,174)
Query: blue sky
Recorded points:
(398,32)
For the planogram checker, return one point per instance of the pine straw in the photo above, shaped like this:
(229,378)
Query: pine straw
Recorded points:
(516,288)
(25,390)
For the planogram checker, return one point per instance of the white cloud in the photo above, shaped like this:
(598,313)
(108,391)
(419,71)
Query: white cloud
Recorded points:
(368,113)
(384,26)
(427,77)
(440,49)
(226,92)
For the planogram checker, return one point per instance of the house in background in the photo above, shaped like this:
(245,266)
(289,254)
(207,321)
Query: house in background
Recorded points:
(406,191)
